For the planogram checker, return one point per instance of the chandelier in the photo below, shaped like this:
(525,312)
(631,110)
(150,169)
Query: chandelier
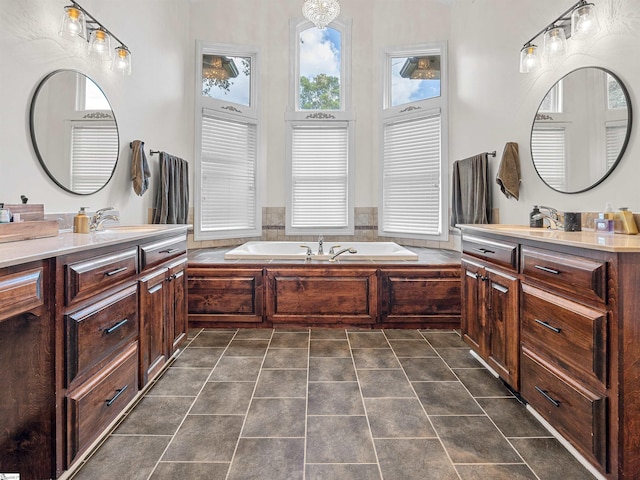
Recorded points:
(321,12)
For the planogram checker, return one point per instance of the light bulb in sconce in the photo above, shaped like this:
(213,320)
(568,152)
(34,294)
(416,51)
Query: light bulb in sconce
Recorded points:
(73,23)
(529,59)
(584,22)
(100,44)
(122,61)
(555,42)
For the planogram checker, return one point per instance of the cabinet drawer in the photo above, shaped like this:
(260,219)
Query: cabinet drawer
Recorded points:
(577,413)
(97,332)
(571,335)
(20,292)
(570,273)
(497,252)
(155,253)
(99,401)
(88,277)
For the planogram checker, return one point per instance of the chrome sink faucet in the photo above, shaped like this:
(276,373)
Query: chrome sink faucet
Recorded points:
(320,242)
(100,217)
(551,215)
(340,252)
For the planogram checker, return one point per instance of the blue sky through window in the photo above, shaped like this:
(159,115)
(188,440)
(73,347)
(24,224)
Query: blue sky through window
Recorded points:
(320,52)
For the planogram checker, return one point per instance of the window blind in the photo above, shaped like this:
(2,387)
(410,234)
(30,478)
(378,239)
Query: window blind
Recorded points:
(411,176)
(615,139)
(319,176)
(548,149)
(93,148)
(228,174)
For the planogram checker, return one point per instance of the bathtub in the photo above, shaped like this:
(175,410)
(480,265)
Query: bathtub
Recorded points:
(294,251)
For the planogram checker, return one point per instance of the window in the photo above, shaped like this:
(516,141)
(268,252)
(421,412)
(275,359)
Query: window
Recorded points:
(319,132)
(413,171)
(227,164)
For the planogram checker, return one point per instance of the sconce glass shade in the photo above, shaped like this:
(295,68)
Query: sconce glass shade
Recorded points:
(529,59)
(584,21)
(122,61)
(73,23)
(555,42)
(100,44)
(321,12)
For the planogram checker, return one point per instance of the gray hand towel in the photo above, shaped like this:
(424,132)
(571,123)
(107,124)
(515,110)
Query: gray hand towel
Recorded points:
(172,196)
(140,172)
(471,193)
(508,176)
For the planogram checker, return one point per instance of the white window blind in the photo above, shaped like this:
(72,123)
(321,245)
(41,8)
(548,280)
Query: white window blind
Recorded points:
(411,176)
(228,179)
(615,140)
(93,148)
(319,176)
(548,148)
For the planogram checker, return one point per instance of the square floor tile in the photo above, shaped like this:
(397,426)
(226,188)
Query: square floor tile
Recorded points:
(254,334)
(236,369)
(414,459)
(282,383)
(481,383)
(180,382)
(275,417)
(549,459)
(176,471)
(209,338)
(360,471)
(246,348)
(334,398)
(268,458)
(402,334)
(289,340)
(495,472)
(367,340)
(156,416)
(132,457)
(339,439)
(385,383)
(412,348)
(397,418)
(446,398)
(328,333)
(329,348)
(474,440)
(198,357)
(205,438)
(224,398)
(375,358)
(327,369)
(512,417)
(444,339)
(458,358)
(427,369)
(286,358)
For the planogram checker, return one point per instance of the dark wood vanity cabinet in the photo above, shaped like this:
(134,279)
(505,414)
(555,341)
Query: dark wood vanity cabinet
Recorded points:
(28,403)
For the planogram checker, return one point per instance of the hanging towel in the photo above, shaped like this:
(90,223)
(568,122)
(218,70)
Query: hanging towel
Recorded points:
(508,176)
(172,196)
(471,193)
(140,172)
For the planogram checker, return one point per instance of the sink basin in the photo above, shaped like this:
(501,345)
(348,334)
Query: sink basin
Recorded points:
(128,228)
(504,226)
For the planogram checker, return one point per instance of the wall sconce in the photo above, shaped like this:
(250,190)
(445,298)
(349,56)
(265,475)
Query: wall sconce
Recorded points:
(321,12)
(579,21)
(76,22)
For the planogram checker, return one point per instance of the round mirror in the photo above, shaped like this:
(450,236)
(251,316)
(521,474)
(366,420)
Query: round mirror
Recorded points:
(581,130)
(74,132)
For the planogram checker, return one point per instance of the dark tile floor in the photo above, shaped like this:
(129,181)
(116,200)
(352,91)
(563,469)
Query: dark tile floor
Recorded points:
(329,404)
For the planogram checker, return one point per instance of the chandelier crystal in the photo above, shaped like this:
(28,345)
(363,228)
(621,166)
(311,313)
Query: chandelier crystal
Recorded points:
(321,12)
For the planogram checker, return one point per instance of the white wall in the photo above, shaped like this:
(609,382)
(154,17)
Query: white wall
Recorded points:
(492,103)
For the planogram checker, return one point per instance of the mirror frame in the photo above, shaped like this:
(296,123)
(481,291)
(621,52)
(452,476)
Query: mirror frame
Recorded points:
(624,144)
(34,142)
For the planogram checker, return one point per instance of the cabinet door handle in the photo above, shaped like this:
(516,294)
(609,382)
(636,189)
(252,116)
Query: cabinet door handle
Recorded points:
(500,288)
(115,397)
(116,326)
(169,250)
(115,272)
(547,396)
(547,269)
(472,274)
(545,324)
(484,250)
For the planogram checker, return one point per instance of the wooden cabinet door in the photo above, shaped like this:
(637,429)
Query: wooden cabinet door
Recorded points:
(472,318)
(177,305)
(501,312)
(153,307)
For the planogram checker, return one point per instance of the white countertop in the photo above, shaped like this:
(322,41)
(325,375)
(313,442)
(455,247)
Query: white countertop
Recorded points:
(611,242)
(15,253)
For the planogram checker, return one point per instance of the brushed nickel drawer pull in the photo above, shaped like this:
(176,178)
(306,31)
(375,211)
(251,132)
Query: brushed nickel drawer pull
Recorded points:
(115,397)
(545,324)
(547,269)
(116,271)
(116,326)
(169,250)
(484,250)
(547,396)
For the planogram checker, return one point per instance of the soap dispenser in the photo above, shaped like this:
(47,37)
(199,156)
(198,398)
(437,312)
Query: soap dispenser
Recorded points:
(535,219)
(81,222)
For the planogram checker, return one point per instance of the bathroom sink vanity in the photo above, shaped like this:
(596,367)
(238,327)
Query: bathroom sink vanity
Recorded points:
(554,314)
(86,321)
